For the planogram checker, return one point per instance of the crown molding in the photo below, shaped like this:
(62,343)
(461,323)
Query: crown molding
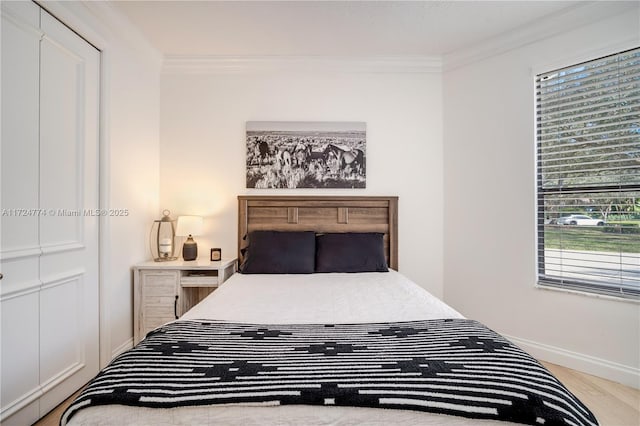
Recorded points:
(568,19)
(101,24)
(177,64)
(122,28)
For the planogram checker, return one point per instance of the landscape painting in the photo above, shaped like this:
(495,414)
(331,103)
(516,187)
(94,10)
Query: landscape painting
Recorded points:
(290,154)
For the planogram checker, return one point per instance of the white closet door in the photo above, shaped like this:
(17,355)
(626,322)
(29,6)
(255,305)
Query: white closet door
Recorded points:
(49,230)
(19,200)
(69,108)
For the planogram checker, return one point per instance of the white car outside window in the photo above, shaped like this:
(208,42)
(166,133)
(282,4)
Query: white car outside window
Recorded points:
(580,219)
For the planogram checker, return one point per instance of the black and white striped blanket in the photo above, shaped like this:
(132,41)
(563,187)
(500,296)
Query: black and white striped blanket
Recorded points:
(450,366)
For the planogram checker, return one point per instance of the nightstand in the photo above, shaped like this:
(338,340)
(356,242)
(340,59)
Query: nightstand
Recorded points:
(163,291)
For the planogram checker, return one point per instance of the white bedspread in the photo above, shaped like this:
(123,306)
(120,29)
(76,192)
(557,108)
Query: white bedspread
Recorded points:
(300,299)
(321,299)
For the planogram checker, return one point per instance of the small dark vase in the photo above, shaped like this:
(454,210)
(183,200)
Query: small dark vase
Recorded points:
(189,249)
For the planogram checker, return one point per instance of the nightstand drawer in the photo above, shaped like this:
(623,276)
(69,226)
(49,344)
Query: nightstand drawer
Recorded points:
(199,278)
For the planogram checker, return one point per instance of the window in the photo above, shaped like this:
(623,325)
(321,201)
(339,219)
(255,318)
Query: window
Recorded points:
(588,176)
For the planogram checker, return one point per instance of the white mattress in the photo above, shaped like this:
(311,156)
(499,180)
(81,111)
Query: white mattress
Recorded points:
(300,299)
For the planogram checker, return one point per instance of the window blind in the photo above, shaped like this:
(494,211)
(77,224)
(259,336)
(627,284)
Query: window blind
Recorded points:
(588,175)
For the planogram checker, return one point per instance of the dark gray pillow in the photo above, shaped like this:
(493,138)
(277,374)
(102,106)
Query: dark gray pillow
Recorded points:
(273,252)
(350,252)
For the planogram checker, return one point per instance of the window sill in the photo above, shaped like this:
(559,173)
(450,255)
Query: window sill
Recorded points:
(635,301)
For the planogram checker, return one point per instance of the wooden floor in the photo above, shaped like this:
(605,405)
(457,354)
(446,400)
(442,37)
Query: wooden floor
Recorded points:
(612,403)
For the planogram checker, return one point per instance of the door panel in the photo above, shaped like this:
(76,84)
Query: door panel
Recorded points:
(61,329)
(62,338)
(62,142)
(20,144)
(19,245)
(69,83)
(64,92)
(20,351)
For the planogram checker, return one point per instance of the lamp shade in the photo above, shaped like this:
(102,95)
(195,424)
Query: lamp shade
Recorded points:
(189,225)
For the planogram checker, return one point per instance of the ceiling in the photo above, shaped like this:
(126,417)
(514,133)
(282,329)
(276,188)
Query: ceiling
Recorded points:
(329,28)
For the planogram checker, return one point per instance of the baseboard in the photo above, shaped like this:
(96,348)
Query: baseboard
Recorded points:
(627,375)
(128,344)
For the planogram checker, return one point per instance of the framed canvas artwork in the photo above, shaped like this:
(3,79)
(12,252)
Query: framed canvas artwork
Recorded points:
(291,154)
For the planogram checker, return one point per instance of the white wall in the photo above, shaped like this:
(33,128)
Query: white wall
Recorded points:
(203,151)
(130,102)
(133,179)
(489,201)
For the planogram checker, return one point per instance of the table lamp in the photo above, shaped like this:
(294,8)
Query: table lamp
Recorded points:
(188,226)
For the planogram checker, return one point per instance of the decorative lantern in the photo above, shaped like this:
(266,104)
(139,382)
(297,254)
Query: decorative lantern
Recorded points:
(162,238)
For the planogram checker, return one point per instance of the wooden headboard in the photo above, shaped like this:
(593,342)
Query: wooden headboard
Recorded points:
(320,214)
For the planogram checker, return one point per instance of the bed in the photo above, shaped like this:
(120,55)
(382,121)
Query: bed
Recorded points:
(340,339)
